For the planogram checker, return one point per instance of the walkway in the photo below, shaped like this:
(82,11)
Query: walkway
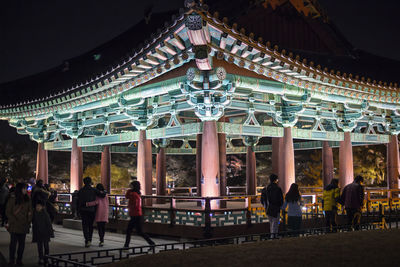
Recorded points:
(68,240)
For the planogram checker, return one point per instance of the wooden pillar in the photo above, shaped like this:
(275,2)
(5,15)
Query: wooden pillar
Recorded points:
(346,175)
(276,157)
(198,164)
(222,163)
(327,163)
(76,167)
(42,164)
(161,171)
(210,162)
(222,167)
(393,163)
(106,168)
(144,165)
(250,171)
(288,167)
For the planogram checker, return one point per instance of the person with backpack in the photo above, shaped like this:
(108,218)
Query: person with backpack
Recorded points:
(330,199)
(293,204)
(135,212)
(88,214)
(272,199)
(101,218)
(19,214)
(42,229)
(353,200)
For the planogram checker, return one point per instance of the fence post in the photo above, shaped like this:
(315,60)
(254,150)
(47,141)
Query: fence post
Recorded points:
(207,219)
(248,211)
(172,212)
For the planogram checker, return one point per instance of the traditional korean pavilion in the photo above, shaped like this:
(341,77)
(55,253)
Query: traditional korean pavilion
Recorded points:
(200,78)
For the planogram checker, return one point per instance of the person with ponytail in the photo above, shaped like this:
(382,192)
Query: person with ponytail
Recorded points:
(135,212)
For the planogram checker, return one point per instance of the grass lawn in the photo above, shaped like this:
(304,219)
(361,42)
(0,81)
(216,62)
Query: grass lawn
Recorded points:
(366,248)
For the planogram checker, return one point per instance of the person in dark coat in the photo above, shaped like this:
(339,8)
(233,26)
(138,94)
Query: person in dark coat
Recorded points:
(42,230)
(39,193)
(51,204)
(272,199)
(19,214)
(353,200)
(88,194)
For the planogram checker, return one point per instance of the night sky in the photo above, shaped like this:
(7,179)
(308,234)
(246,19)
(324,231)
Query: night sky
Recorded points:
(38,35)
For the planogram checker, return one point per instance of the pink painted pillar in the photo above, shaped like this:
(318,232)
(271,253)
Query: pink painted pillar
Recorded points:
(222,163)
(161,171)
(42,164)
(346,175)
(327,163)
(250,171)
(106,168)
(393,163)
(144,165)
(76,166)
(198,164)
(222,167)
(210,162)
(277,143)
(288,167)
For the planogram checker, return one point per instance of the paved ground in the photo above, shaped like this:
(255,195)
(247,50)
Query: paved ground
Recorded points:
(68,240)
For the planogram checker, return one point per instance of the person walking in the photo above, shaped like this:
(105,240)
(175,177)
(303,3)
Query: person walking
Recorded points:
(135,212)
(272,199)
(3,200)
(330,199)
(353,200)
(42,230)
(101,218)
(19,214)
(293,203)
(87,194)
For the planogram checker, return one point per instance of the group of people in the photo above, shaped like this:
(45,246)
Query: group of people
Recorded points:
(93,205)
(20,211)
(351,198)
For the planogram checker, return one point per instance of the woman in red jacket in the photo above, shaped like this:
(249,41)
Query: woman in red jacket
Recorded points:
(135,212)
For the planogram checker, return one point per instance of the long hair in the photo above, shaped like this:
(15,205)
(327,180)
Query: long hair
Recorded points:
(135,186)
(20,198)
(100,187)
(293,195)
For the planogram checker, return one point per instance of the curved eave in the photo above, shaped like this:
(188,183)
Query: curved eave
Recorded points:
(257,57)
(168,50)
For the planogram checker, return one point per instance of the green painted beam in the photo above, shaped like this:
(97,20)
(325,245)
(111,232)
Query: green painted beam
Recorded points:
(231,129)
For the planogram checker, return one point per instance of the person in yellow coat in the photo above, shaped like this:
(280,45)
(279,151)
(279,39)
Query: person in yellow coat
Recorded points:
(330,200)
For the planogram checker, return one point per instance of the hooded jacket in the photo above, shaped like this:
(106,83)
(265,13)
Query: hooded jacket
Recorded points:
(330,197)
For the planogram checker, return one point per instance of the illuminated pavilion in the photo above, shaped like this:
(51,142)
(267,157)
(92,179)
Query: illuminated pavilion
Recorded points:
(202,79)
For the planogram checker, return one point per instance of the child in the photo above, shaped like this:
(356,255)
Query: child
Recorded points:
(42,229)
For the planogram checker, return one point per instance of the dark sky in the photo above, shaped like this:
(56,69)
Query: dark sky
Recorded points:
(36,35)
